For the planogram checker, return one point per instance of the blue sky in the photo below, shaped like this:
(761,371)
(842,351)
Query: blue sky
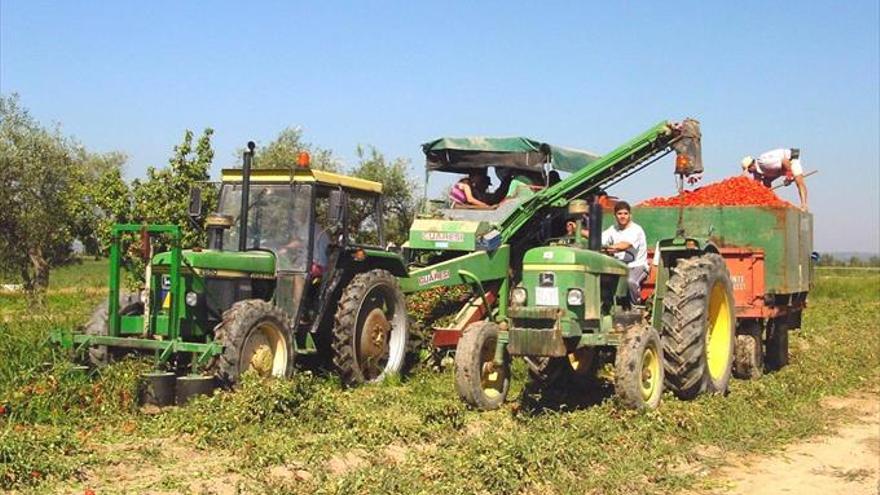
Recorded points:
(131,76)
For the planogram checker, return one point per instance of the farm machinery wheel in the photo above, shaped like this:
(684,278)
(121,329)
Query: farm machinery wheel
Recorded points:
(748,362)
(638,368)
(578,368)
(698,327)
(777,344)
(256,337)
(480,383)
(370,331)
(99,325)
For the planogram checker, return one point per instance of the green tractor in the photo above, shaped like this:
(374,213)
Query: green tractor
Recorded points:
(293,267)
(559,302)
(570,314)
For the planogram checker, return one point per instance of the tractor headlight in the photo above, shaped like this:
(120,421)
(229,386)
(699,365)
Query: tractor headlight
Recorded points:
(191,299)
(519,296)
(575,297)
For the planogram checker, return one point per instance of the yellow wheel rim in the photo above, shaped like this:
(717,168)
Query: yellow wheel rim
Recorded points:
(265,351)
(650,373)
(491,376)
(580,361)
(720,332)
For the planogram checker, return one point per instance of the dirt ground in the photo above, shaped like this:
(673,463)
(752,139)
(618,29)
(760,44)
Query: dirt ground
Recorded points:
(844,463)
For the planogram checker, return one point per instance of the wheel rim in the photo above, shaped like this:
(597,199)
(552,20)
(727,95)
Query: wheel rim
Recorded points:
(581,361)
(719,333)
(265,351)
(650,375)
(374,335)
(381,338)
(491,376)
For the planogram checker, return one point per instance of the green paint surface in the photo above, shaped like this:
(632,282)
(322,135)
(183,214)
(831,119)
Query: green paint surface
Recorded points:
(784,234)
(249,261)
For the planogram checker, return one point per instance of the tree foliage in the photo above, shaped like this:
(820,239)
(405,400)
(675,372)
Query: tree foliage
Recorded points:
(49,197)
(398,192)
(282,152)
(163,197)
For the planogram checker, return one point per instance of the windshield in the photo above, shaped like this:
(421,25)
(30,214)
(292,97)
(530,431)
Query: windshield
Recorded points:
(278,220)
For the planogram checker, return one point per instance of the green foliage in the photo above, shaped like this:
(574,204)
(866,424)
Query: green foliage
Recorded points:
(108,196)
(413,436)
(54,191)
(400,202)
(39,180)
(283,151)
(163,198)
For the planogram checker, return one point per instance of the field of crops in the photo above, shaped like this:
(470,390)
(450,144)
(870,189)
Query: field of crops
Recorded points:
(62,432)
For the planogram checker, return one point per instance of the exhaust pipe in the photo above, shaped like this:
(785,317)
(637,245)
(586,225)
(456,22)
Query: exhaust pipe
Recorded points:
(245,190)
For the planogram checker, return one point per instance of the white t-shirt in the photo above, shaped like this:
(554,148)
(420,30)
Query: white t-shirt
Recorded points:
(635,236)
(769,164)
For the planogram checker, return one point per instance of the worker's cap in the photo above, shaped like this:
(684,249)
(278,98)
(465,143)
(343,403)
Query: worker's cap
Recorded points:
(746,161)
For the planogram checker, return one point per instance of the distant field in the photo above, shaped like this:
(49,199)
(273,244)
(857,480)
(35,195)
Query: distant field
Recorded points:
(62,433)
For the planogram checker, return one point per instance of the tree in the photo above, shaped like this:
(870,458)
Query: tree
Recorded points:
(398,192)
(105,199)
(40,207)
(284,150)
(163,198)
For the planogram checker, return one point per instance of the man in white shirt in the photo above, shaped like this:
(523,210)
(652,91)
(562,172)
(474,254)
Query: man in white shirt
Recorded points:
(625,240)
(777,163)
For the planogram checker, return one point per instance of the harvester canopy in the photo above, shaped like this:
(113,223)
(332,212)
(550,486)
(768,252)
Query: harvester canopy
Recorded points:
(462,154)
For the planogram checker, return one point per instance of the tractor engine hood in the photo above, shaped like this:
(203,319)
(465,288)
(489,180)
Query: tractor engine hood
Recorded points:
(259,264)
(550,257)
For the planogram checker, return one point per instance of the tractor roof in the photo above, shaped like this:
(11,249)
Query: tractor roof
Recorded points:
(462,154)
(284,176)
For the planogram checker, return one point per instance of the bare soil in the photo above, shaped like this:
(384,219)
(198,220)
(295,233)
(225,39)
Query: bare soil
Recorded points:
(844,463)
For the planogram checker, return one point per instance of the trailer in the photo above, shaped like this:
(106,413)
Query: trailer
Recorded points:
(768,252)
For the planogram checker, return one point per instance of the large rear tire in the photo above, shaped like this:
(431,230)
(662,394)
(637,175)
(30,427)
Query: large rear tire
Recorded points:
(370,331)
(99,325)
(698,327)
(256,337)
(480,383)
(638,368)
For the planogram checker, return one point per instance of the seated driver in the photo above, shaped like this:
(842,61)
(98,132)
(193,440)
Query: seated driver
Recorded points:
(625,240)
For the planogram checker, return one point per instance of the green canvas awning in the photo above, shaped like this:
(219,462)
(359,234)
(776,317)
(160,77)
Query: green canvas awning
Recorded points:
(462,154)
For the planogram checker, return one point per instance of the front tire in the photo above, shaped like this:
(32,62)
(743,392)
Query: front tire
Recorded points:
(480,383)
(698,327)
(370,331)
(256,337)
(638,368)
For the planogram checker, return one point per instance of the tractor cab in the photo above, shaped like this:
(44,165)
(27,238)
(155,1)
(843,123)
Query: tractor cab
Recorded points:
(309,220)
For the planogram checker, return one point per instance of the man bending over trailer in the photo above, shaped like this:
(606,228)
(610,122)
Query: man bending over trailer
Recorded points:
(777,163)
(625,240)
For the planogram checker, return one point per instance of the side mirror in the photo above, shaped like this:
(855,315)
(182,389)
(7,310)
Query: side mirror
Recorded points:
(336,208)
(195,203)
